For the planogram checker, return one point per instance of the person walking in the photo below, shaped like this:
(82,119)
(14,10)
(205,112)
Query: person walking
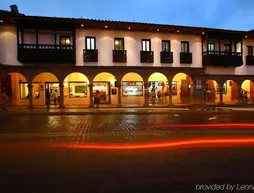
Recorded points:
(55,95)
(4,99)
(47,98)
(97,98)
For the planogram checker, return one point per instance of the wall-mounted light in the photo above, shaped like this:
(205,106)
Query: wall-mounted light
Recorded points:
(203,33)
(1,21)
(246,36)
(177,31)
(82,25)
(158,29)
(129,28)
(106,26)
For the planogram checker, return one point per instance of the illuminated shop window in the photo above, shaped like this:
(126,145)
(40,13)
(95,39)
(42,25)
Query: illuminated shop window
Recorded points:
(132,88)
(77,89)
(65,40)
(23,89)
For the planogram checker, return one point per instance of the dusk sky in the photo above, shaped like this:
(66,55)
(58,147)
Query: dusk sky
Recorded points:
(226,14)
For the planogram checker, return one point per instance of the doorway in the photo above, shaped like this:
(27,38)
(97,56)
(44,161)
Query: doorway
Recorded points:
(52,87)
(104,89)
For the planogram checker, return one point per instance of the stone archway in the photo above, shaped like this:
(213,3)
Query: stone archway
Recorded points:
(182,89)
(15,85)
(230,92)
(132,89)
(247,86)
(45,84)
(106,84)
(158,90)
(76,89)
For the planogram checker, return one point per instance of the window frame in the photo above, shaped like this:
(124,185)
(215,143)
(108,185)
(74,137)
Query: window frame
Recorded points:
(248,49)
(150,46)
(120,39)
(60,40)
(169,45)
(90,37)
(188,46)
(225,46)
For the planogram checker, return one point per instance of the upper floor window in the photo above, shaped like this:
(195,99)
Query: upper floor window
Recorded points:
(184,47)
(65,40)
(90,43)
(166,45)
(146,45)
(119,44)
(226,47)
(211,47)
(250,50)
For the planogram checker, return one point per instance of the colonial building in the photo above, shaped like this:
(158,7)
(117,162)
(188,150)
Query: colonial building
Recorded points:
(130,63)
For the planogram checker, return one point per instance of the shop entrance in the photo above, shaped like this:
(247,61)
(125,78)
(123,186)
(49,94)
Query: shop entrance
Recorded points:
(157,92)
(104,89)
(53,88)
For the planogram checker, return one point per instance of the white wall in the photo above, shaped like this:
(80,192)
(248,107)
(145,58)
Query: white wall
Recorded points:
(105,45)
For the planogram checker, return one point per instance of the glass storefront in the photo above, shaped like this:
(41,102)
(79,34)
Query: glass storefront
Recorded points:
(77,89)
(103,88)
(132,88)
(52,87)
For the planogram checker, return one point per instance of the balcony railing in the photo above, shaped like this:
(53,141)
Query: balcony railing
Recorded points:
(166,57)
(250,60)
(222,58)
(146,57)
(43,53)
(90,55)
(119,56)
(185,58)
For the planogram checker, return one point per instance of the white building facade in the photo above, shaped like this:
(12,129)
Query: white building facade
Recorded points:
(126,63)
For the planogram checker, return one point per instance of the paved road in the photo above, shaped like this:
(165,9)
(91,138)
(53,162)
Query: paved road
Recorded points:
(37,154)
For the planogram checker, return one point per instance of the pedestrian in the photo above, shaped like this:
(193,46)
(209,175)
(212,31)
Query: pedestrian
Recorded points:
(47,98)
(37,94)
(97,98)
(245,97)
(241,97)
(55,95)
(4,99)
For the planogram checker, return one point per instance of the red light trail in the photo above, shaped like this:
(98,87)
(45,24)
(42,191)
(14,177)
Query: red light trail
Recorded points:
(202,126)
(177,144)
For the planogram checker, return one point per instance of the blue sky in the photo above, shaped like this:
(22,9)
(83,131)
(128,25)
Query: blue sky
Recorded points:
(226,14)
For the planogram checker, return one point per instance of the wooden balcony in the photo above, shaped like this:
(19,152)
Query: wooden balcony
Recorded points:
(166,57)
(250,60)
(185,58)
(119,56)
(34,53)
(221,58)
(90,55)
(146,57)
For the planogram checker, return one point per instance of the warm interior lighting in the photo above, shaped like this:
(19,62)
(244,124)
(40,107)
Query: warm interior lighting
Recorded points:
(116,42)
(82,25)
(68,41)
(106,26)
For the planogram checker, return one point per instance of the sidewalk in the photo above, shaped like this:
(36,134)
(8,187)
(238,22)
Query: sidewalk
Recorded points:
(107,111)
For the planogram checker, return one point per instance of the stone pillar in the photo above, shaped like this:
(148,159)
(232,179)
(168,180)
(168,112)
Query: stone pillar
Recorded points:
(146,94)
(170,93)
(30,96)
(61,106)
(91,105)
(239,88)
(119,88)
(221,93)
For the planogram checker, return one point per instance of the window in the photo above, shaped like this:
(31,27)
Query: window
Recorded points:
(226,47)
(211,47)
(90,43)
(65,40)
(250,50)
(119,44)
(146,45)
(77,89)
(185,47)
(166,45)
(132,88)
